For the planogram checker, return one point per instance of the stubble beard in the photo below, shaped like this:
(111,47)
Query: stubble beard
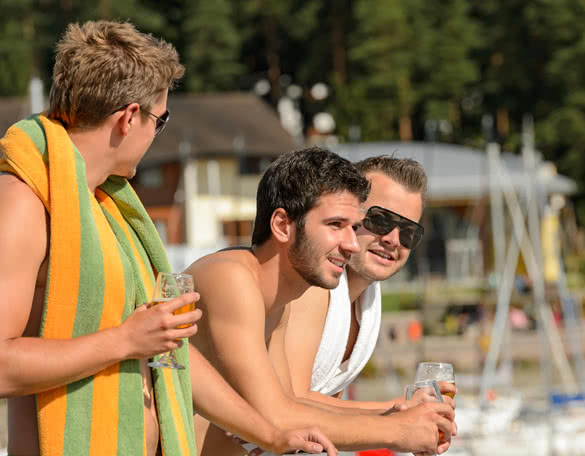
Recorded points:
(303,257)
(359,264)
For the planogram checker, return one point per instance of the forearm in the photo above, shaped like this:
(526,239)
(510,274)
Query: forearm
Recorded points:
(331,407)
(31,364)
(347,432)
(218,402)
(346,406)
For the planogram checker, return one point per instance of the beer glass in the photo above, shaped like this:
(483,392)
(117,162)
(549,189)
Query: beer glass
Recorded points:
(169,286)
(425,391)
(441,372)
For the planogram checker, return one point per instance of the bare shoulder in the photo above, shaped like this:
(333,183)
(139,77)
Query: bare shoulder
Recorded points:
(226,278)
(22,216)
(23,243)
(213,267)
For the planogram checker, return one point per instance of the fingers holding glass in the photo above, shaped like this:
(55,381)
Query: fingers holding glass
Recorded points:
(168,287)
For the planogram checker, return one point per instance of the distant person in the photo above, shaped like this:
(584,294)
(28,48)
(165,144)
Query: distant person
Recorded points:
(79,258)
(308,206)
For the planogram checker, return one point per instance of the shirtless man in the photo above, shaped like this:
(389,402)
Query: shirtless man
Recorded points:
(93,389)
(319,370)
(308,206)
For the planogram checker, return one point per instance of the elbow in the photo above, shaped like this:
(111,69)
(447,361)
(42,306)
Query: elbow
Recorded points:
(281,417)
(8,386)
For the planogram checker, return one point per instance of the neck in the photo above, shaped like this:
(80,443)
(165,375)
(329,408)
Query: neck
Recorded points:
(279,282)
(90,144)
(356,284)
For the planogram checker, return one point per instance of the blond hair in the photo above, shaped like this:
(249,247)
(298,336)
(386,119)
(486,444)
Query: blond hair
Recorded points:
(407,172)
(103,66)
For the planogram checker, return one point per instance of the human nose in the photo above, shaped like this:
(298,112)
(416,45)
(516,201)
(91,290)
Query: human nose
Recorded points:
(393,237)
(350,243)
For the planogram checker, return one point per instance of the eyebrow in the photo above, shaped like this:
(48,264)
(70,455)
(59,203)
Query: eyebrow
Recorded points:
(341,219)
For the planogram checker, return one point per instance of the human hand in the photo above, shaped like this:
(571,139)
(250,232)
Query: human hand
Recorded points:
(399,406)
(153,329)
(310,440)
(448,390)
(419,427)
(422,395)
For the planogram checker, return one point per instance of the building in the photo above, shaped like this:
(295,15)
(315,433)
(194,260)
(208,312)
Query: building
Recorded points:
(458,243)
(198,180)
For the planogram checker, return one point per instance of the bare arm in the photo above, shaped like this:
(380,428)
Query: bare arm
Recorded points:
(234,331)
(303,335)
(29,364)
(214,399)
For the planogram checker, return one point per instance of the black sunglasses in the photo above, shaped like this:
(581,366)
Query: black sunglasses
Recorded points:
(161,122)
(382,221)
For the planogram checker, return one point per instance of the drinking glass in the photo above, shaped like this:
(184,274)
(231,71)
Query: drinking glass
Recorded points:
(425,391)
(441,372)
(169,286)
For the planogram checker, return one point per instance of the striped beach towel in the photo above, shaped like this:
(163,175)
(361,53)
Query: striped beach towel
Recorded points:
(104,251)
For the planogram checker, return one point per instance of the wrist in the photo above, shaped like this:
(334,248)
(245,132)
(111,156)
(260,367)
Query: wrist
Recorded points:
(120,343)
(272,439)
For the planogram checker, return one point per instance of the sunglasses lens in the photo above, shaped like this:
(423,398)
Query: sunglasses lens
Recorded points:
(383,221)
(161,122)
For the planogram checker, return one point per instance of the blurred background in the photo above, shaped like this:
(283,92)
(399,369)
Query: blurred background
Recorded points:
(489,95)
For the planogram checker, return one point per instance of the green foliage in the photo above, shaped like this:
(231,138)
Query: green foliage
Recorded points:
(392,66)
(394,302)
(212,46)
(16,54)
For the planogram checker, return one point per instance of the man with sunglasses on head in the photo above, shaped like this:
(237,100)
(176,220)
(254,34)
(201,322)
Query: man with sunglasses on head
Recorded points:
(330,334)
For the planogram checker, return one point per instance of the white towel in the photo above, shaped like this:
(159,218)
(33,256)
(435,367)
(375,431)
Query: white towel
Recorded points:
(330,374)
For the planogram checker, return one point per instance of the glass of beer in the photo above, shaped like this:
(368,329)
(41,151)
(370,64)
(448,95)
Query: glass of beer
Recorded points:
(169,286)
(425,391)
(441,372)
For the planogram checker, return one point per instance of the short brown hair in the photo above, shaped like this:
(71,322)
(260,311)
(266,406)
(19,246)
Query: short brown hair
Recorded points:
(405,171)
(296,180)
(103,66)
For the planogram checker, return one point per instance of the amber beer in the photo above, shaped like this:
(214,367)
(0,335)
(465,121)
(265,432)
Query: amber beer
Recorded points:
(451,395)
(181,310)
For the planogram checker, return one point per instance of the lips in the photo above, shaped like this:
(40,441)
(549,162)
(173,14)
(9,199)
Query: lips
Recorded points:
(383,254)
(340,263)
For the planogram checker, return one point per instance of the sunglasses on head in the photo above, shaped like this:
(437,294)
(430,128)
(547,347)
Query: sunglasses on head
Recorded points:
(382,221)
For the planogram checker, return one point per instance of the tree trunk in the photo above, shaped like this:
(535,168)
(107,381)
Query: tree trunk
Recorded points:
(405,128)
(502,123)
(339,53)
(272,57)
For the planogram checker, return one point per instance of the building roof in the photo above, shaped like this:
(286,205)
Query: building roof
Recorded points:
(206,124)
(458,172)
(11,111)
(220,124)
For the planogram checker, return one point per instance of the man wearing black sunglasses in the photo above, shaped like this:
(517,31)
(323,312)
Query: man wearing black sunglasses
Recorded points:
(330,334)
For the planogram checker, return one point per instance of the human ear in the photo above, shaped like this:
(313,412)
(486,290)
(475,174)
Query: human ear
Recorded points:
(281,225)
(128,119)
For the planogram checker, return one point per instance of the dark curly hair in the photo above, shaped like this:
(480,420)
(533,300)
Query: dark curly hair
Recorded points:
(296,180)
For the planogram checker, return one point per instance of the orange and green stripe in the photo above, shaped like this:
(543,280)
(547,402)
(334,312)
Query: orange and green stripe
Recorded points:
(104,251)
